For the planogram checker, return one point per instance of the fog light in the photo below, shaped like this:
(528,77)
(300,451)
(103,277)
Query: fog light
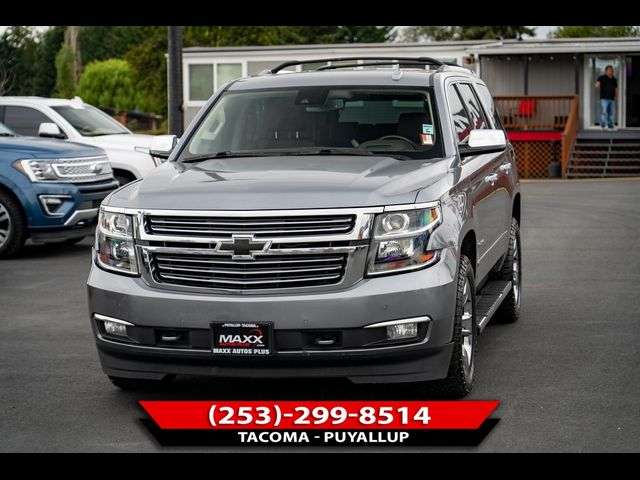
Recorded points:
(402,331)
(113,328)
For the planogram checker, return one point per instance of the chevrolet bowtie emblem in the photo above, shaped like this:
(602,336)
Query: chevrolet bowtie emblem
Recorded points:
(244,247)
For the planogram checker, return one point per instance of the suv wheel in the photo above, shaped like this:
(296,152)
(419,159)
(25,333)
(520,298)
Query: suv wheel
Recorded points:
(13,228)
(459,379)
(509,311)
(140,384)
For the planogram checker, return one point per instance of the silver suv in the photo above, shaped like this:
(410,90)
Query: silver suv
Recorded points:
(359,220)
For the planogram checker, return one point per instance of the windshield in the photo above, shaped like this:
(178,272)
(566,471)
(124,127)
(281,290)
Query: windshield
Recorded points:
(5,132)
(89,121)
(393,121)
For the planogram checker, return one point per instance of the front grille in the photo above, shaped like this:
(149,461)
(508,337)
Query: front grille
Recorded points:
(85,169)
(282,226)
(267,272)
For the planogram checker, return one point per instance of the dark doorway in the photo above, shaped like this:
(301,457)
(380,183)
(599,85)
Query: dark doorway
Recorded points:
(633,91)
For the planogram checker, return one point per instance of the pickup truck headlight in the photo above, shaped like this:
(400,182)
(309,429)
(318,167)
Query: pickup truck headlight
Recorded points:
(115,249)
(400,240)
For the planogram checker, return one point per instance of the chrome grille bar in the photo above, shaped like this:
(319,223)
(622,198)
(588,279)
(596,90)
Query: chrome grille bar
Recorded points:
(273,227)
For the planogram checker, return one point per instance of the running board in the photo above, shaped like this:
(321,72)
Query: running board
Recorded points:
(490,298)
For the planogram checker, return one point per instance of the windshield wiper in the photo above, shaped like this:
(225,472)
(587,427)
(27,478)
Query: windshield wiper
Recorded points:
(355,152)
(225,154)
(3,134)
(336,151)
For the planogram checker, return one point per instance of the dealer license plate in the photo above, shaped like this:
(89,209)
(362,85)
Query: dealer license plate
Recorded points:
(242,339)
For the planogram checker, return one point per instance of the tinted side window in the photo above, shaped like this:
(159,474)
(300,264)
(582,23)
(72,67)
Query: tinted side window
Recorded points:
(24,120)
(474,109)
(459,113)
(487,101)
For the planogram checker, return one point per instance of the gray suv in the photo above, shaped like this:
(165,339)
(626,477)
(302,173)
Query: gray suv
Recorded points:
(358,220)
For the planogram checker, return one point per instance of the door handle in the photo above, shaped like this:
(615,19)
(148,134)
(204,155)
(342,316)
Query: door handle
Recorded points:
(505,167)
(493,178)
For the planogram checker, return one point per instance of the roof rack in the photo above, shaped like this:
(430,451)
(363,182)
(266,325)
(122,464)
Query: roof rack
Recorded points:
(378,60)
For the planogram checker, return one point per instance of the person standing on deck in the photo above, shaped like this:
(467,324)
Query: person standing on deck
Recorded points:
(608,85)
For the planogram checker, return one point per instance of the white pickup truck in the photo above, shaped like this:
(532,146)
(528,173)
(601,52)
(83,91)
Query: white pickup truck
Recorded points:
(79,122)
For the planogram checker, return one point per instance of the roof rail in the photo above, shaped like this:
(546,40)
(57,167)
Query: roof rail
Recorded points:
(383,60)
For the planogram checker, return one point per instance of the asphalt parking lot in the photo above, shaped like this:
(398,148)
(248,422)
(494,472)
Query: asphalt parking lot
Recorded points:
(567,373)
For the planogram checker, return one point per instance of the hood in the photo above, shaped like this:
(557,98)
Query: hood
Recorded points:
(265,183)
(47,148)
(124,141)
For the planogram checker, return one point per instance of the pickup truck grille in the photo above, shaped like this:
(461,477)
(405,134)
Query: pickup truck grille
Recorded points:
(221,227)
(268,272)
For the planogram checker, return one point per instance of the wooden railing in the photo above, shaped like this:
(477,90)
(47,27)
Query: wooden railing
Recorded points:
(552,114)
(569,134)
(534,112)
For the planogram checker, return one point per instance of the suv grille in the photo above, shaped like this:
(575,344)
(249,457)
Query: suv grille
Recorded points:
(85,169)
(283,226)
(265,272)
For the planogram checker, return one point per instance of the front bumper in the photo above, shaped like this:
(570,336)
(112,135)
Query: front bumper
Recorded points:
(76,218)
(429,292)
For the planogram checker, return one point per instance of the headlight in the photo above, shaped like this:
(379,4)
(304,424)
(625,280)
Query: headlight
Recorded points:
(400,240)
(115,249)
(63,170)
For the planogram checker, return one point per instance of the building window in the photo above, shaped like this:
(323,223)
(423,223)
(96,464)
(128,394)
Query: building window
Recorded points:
(200,82)
(225,72)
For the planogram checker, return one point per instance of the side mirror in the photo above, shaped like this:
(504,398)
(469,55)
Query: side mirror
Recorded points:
(50,130)
(484,141)
(162,146)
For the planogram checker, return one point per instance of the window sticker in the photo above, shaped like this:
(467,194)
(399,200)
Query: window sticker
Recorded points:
(427,129)
(426,139)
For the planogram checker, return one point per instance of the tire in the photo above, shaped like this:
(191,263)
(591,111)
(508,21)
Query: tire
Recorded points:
(459,380)
(139,384)
(509,310)
(123,178)
(13,226)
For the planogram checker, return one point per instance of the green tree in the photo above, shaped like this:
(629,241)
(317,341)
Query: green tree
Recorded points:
(104,42)
(65,82)
(108,83)
(477,32)
(218,36)
(577,31)
(365,34)
(49,44)
(149,69)
(18,47)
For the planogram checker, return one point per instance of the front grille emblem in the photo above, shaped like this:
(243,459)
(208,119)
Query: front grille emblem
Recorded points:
(244,247)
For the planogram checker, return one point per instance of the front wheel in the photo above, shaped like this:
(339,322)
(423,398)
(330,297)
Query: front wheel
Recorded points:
(13,227)
(459,380)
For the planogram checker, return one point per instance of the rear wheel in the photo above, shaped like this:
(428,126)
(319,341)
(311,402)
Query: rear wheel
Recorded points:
(509,311)
(459,380)
(13,227)
(140,384)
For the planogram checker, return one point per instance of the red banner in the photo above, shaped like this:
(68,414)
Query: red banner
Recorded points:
(325,415)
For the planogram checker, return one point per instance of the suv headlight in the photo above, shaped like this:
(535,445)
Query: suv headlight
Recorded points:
(400,240)
(115,248)
(66,170)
